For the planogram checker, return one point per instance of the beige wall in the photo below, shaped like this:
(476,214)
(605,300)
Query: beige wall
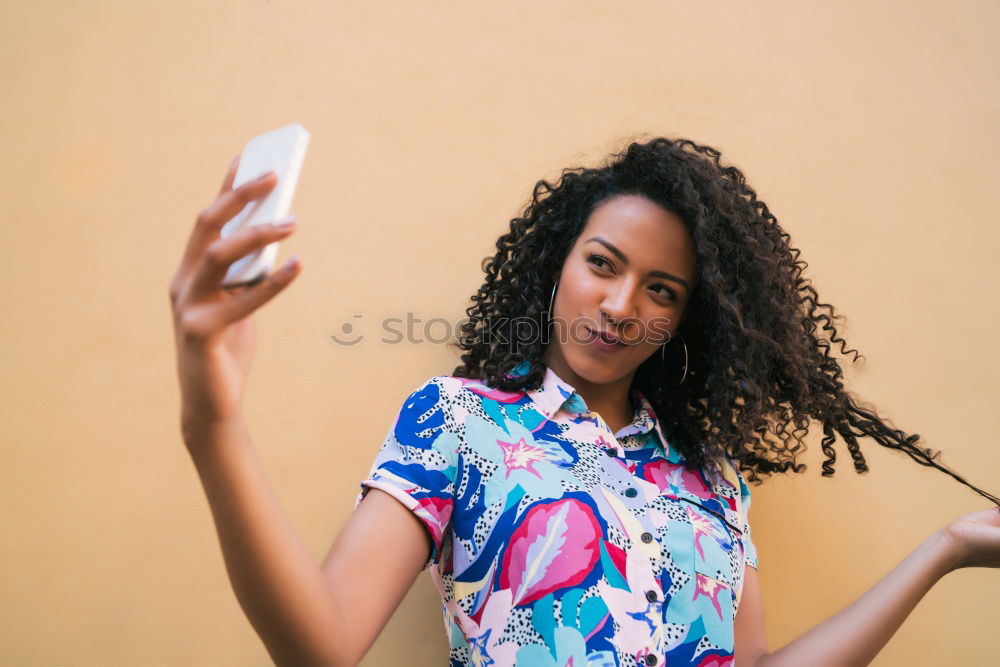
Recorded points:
(869,129)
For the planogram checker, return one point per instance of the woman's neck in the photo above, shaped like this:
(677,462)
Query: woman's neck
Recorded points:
(610,400)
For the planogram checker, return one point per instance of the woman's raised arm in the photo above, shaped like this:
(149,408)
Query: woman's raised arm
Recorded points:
(306,615)
(372,564)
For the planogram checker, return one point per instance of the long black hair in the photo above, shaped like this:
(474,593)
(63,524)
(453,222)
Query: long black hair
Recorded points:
(761,344)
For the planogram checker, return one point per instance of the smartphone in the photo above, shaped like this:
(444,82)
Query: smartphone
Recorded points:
(281,150)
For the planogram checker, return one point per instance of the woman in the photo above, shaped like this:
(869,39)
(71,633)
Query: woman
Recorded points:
(644,334)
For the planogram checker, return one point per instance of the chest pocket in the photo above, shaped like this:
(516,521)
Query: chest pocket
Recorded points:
(717,564)
(718,544)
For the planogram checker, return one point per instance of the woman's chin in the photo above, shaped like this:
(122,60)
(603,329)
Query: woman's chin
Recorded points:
(598,368)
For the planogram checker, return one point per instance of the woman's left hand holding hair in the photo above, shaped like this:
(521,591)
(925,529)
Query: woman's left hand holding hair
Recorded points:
(975,538)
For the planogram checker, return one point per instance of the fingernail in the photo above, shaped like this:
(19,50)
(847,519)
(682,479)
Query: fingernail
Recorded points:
(292,262)
(286,222)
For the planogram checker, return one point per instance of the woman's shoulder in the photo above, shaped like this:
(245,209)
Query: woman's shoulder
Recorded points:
(726,475)
(452,389)
(441,387)
(461,404)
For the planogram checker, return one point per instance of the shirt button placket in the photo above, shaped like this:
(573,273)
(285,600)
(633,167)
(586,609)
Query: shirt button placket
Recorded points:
(650,595)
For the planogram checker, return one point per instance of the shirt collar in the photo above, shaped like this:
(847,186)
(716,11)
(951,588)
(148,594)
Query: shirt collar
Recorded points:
(556,394)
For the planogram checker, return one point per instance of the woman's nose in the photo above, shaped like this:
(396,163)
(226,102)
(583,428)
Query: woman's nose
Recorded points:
(618,304)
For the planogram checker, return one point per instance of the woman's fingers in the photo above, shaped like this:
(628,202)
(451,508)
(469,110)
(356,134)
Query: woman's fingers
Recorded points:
(244,303)
(190,255)
(210,221)
(221,253)
(200,322)
(227,182)
(201,308)
(231,202)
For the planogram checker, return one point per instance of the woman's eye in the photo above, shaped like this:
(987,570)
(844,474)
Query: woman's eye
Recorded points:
(665,291)
(598,260)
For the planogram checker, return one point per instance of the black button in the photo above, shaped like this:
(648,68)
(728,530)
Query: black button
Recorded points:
(651,596)
(650,659)
(631,493)
(646,537)
(611,451)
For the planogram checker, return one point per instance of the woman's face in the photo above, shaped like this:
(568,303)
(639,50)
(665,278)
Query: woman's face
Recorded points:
(629,275)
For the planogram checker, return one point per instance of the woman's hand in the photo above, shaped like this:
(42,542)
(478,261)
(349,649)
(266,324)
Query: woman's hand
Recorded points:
(976,539)
(213,327)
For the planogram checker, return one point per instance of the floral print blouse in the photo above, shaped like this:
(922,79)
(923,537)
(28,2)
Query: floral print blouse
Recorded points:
(558,542)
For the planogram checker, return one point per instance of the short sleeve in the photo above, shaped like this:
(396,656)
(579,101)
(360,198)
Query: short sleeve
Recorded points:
(416,462)
(749,549)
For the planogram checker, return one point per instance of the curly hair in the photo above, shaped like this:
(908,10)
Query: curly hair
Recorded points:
(760,342)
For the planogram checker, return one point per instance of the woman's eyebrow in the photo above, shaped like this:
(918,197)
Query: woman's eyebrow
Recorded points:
(620,255)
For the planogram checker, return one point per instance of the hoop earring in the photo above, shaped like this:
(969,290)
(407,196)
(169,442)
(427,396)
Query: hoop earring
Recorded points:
(663,357)
(552,299)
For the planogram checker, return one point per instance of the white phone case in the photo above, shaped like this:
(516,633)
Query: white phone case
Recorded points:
(283,151)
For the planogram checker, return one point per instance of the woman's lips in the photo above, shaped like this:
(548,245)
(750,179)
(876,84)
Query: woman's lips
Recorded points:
(604,341)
